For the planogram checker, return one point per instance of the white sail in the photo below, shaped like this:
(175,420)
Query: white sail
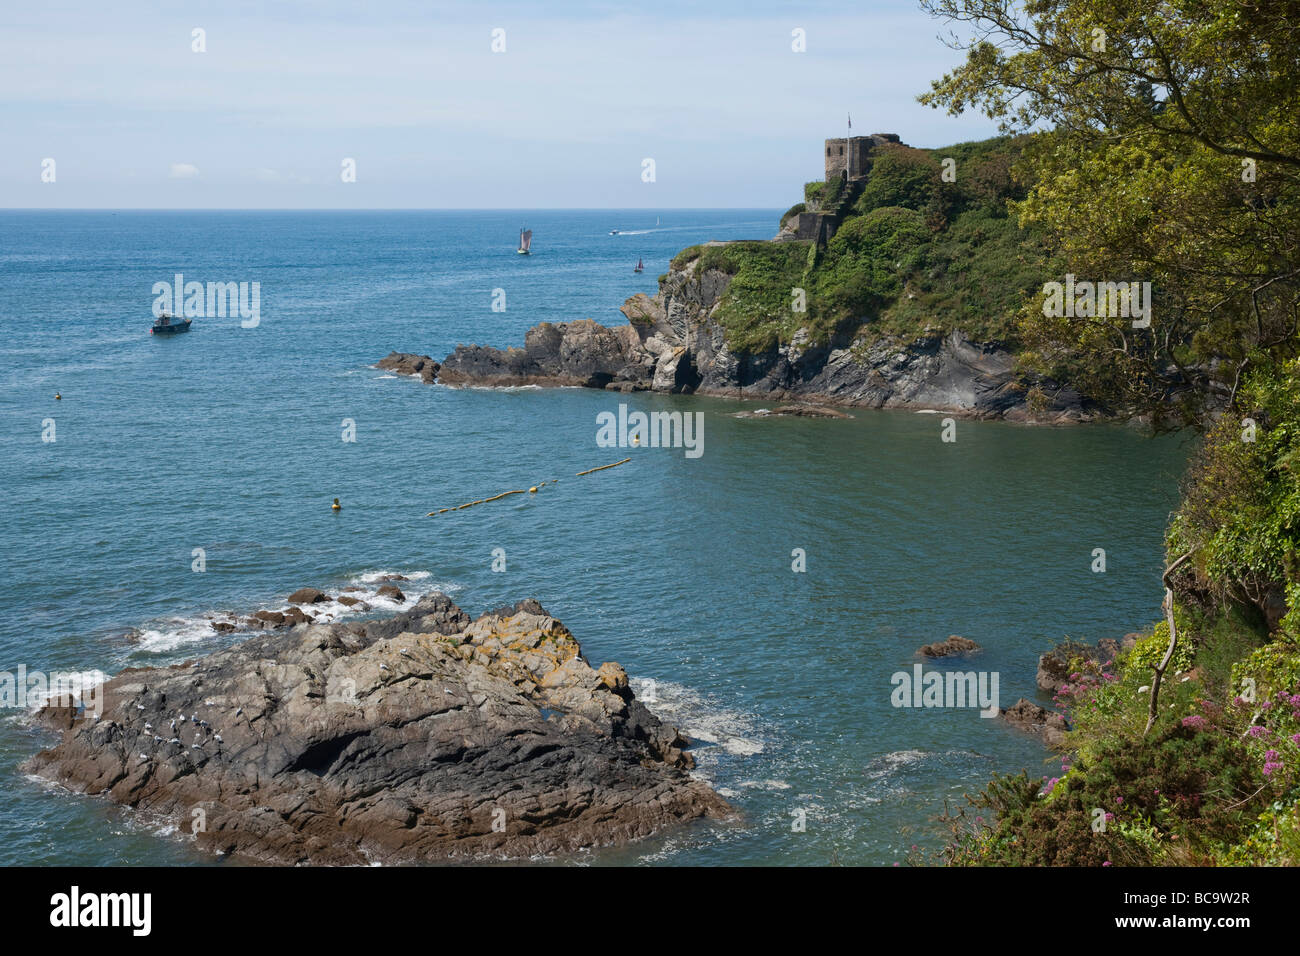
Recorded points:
(525,239)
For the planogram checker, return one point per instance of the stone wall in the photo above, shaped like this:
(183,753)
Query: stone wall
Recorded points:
(853,155)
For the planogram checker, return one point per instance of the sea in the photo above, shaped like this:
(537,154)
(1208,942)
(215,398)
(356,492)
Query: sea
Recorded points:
(765,595)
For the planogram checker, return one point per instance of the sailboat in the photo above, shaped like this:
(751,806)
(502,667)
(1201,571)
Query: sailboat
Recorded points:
(640,267)
(525,242)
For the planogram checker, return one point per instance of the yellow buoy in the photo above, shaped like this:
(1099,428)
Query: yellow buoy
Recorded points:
(532,490)
(336,506)
(57,396)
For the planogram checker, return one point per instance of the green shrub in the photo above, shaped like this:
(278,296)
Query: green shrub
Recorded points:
(1182,791)
(899,176)
(1150,650)
(1274,841)
(1269,669)
(1240,513)
(756,309)
(866,262)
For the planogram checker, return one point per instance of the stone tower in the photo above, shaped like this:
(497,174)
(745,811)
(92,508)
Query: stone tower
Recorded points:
(850,158)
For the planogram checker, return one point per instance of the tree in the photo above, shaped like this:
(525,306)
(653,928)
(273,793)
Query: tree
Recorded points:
(1172,156)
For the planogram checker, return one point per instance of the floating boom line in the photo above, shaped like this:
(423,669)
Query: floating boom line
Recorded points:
(590,471)
(522,491)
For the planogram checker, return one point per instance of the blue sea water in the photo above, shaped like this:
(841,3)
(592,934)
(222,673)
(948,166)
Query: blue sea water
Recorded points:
(229,439)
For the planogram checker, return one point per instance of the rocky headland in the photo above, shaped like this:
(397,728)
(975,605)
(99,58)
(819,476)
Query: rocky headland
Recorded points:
(888,286)
(675,343)
(415,738)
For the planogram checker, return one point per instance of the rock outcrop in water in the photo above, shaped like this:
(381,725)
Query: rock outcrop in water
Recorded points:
(415,738)
(570,353)
(1029,716)
(1054,666)
(954,645)
(406,363)
(675,343)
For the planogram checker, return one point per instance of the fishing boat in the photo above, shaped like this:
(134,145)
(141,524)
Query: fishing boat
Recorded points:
(169,325)
(525,242)
(640,266)
(613,232)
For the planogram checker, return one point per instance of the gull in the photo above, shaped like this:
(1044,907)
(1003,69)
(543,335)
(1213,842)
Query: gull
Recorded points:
(405,651)
(148,726)
(181,718)
(139,706)
(144,756)
(383,667)
(173,726)
(239,711)
(175,740)
(196,746)
(195,718)
(217,738)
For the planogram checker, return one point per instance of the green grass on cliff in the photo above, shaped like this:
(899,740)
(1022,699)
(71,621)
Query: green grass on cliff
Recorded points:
(914,253)
(756,310)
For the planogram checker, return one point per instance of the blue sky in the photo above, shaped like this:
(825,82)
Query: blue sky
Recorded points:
(583,93)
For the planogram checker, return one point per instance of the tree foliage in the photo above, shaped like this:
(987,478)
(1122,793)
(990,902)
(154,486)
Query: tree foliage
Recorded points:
(1173,157)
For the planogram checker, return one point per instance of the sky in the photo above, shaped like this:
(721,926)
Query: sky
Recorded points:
(565,116)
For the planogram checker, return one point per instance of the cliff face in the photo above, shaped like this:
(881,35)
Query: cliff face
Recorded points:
(675,343)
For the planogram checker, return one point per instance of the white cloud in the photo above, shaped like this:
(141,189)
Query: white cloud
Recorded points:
(183,171)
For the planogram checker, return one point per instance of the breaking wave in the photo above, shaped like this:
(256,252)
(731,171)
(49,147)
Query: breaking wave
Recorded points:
(173,634)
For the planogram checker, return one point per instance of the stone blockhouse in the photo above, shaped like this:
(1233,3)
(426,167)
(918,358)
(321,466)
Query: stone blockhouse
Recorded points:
(848,160)
(851,158)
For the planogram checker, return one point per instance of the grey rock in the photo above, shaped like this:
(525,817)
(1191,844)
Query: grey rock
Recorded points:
(392,591)
(406,363)
(573,353)
(675,343)
(1027,715)
(419,738)
(1054,665)
(951,647)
